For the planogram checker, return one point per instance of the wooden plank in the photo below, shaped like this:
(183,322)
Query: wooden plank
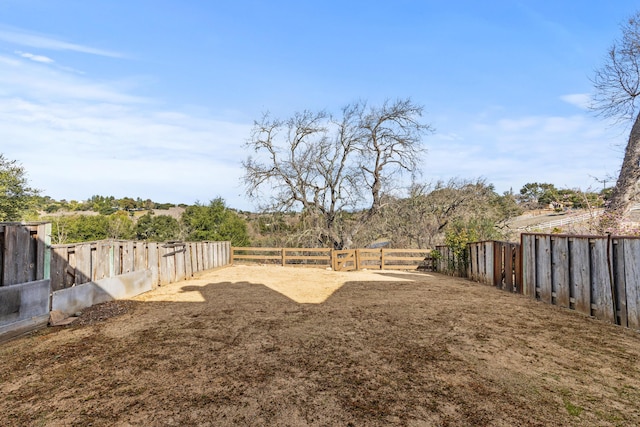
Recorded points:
(165,274)
(401,267)
(58,268)
(115,258)
(580,274)
(617,259)
(9,261)
(543,268)
(508,268)
(226,246)
(201,259)
(560,270)
(391,259)
(194,257)
(179,259)
(489,272)
(171,265)
(40,237)
(497,264)
(28,250)
(188,266)
(517,249)
(127,257)
(206,258)
(632,281)
(474,261)
(83,263)
(212,255)
(484,255)
(2,254)
(529,265)
(217,254)
(259,257)
(15,258)
(258,249)
(600,281)
(153,262)
(140,253)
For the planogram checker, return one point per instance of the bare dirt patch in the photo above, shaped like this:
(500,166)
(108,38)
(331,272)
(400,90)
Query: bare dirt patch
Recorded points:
(294,347)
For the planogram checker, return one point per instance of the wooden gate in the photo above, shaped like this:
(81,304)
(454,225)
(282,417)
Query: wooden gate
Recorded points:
(344,260)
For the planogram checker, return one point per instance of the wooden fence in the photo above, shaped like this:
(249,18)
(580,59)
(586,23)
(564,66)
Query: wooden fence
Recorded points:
(79,263)
(23,252)
(339,260)
(595,275)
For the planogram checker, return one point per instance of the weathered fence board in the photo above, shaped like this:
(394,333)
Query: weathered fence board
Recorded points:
(152,262)
(632,281)
(168,262)
(601,280)
(594,275)
(620,295)
(560,270)
(580,274)
(543,268)
(24,252)
(528,265)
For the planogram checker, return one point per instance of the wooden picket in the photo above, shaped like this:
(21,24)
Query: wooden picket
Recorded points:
(75,264)
(595,275)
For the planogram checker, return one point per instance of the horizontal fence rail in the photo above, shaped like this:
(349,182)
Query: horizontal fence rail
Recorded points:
(339,260)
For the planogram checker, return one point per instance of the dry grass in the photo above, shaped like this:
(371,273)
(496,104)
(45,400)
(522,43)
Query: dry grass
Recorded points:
(375,349)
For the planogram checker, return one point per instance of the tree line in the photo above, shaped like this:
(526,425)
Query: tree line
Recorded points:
(199,222)
(426,215)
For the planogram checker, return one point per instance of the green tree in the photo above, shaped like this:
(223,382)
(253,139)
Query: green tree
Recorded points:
(215,222)
(536,195)
(157,228)
(16,196)
(89,228)
(103,205)
(78,228)
(120,226)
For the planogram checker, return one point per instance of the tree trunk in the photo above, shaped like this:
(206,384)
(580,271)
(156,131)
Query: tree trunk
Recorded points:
(626,186)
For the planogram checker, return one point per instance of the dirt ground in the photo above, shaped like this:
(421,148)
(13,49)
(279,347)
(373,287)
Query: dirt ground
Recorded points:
(274,346)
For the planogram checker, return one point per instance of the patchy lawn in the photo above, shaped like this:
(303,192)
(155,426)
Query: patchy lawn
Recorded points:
(278,346)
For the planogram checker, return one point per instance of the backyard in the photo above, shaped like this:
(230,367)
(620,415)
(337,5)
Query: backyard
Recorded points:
(280,346)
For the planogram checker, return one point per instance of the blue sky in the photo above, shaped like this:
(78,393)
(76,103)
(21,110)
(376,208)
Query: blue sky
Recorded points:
(155,99)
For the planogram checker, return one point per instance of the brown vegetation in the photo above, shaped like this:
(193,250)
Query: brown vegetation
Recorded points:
(282,346)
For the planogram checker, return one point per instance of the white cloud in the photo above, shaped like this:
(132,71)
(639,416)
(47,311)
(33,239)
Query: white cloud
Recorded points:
(24,38)
(36,58)
(580,100)
(509,152)
(26,79)
(77,137)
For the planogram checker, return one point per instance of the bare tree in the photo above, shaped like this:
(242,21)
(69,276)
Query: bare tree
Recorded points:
(334,169)
(617,86)
(421,219)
